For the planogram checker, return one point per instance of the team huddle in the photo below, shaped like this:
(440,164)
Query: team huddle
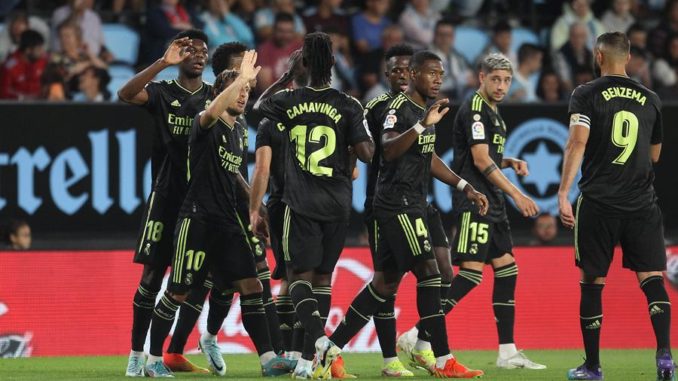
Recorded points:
(208,221)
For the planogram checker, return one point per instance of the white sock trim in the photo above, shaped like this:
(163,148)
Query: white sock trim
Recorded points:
(388,360)
(153,359)
(422,345)
(507,350)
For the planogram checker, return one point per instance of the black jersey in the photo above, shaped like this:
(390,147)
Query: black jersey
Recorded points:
(403,183)
(173,108)
(477,123)
(624,119)
(375,110)
(320,124)
(241,123)
(272,134)
(214,160)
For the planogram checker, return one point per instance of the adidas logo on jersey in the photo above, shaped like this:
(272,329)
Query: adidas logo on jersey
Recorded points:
(656,310)
(594,325)
(175,103)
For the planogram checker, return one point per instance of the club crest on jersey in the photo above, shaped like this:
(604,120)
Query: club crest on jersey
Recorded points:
(189,279)
(207,103)
(478,131)
(541,143)
(390,120)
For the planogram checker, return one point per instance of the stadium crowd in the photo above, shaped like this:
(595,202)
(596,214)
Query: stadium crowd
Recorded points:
(56,50)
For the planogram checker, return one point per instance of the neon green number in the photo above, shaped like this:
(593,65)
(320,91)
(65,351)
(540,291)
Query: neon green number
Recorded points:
(624,134)
(195,259)
(421,228)
(478,232)
(154,230)
(298,136)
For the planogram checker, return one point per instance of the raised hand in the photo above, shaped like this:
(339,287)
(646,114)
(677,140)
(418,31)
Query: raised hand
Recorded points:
(177,51)
(248,71)
(436,112)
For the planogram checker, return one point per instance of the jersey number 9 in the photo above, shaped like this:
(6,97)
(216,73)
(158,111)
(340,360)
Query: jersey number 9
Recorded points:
(624,134)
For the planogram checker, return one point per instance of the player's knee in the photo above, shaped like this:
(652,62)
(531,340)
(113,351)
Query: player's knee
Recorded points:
(249,286)
(152,277)
(262,265)
(321,279)
(179,298)
(426,268)
(384,289)
(643,276)
(592,279)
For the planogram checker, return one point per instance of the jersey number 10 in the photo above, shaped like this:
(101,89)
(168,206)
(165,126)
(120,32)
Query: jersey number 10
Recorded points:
(311,162)
(624,134)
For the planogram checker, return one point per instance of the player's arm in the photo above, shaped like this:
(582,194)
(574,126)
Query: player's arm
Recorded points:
(247,73)
(484,163)
(262,170)
(574,153)
(134,90)
(295,68)
(442,172)
(657,136)
(519,166)
(655,152)
(395,144)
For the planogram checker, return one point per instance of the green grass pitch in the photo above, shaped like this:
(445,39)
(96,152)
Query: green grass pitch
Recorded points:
(618,365)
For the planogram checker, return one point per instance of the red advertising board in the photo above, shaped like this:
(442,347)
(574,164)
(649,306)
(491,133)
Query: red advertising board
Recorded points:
(79,303)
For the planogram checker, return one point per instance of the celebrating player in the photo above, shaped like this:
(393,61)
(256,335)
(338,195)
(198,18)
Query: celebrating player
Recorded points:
(403,240)
(616,130)
(321,123)
(173,104)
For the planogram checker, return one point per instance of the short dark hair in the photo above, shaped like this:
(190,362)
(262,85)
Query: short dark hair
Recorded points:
(398,50)
(11,227)
(283,17)
(224,79)
(616,41)
(29,39)
(444,22)
(639,52)
(636,27)
(193,34)
(501,26)
(317,57)
(222,58)
(420,57)
(527,51)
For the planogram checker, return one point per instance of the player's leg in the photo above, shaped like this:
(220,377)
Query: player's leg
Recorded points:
(220,300)
(642,242)
(189,312)
(264,275)
(189,268)
(595,237)
(153,250)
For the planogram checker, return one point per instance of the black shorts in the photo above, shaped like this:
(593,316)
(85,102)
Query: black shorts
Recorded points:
(155,240)
(480,240)
(201,249)
(435,227)
(257,246)
(641,238)
(276,214)
(309,244)
(403,240)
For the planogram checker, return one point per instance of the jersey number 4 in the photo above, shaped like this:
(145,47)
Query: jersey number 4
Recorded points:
(624,134)
(310,162)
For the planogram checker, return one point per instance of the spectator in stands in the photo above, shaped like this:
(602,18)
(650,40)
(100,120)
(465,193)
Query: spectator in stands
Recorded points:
(20,74)
(17,235)
(370,74)
(328,13)
(665,70)
(16,24)
(343,72)
(222,25)
(367,26)
(544,231)
(529,63)
(274,53)
(92,84)
(164,21)
(501,43)
(81,13)
(53,82)
(459,77)
(73,56)
(573,56)
(550,87)
(618,18)
(418,21)
(637,35)
(575,11)
(264,19)
(638,67)
(669,25)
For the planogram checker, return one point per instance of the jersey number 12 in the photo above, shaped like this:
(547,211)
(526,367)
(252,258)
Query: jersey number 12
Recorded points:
(311,162)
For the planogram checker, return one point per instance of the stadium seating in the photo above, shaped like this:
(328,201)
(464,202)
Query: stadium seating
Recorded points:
(120,74)
(521,36)
(470,42)
(123,43)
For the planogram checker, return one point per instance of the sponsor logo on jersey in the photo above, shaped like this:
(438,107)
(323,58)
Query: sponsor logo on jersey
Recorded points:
(541,143)
(175,103)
